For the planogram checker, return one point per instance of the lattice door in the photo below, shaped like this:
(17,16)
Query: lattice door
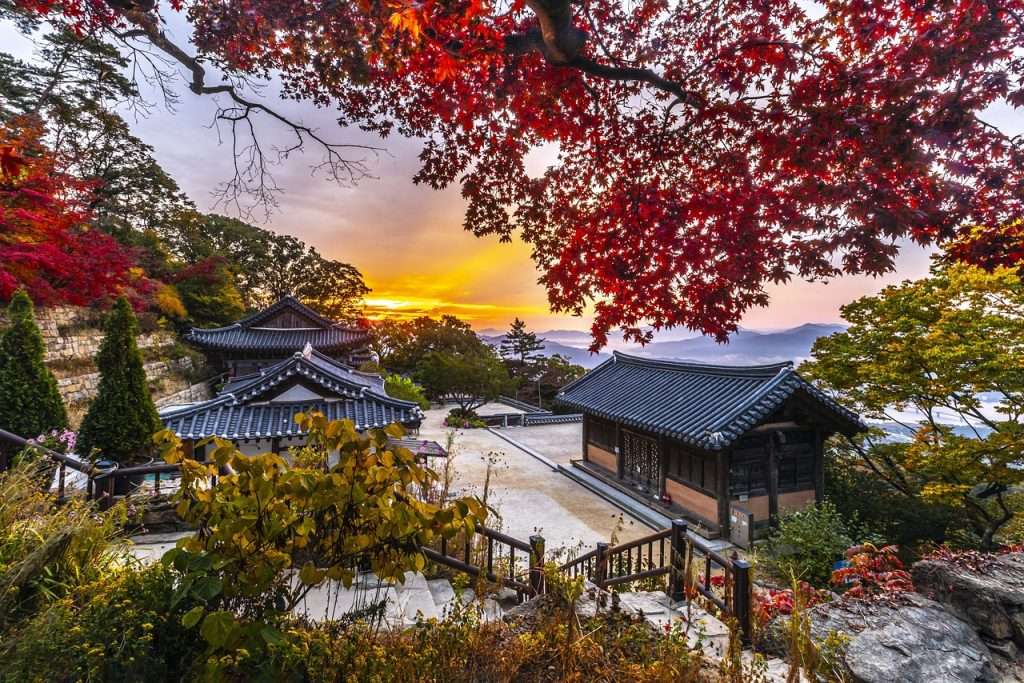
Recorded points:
(640,461)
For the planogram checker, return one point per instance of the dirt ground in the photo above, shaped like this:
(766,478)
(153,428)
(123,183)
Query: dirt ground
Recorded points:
(529,497)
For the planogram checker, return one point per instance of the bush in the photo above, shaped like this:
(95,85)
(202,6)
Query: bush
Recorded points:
(119,628)
(463,419)
(903,520)
(807,543)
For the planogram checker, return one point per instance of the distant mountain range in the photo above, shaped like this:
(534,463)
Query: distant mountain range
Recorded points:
(746,347)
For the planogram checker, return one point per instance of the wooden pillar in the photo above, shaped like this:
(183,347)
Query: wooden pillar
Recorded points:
(275,445)
(663,452)
(586,437)
(620,463)
(722,488)
(773,480)
(819,465)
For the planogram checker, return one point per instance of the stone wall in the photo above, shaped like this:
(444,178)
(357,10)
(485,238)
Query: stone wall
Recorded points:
(162,375)
(72,333)
(193,393)
(73,336)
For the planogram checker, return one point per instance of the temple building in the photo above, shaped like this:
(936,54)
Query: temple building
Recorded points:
(275,333)
(257,411)
(722,446)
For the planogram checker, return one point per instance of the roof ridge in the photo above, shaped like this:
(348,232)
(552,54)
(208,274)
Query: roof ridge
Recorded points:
(763,370)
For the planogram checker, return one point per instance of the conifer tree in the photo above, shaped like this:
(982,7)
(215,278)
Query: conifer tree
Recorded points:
(122,418)
(29,401)
(521,345)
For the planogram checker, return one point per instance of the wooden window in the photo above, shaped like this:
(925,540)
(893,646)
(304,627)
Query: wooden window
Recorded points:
(601,433)
(748,473)
(694,469)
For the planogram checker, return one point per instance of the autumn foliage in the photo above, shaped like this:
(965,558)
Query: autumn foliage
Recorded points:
(46,244)
(703,150)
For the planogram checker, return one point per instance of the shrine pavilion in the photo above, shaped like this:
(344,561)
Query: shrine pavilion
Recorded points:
(257,411)
(275,333)
(719,445)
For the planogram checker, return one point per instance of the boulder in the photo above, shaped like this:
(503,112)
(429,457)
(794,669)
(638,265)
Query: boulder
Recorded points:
(986,591)
(909,638)
(989,595)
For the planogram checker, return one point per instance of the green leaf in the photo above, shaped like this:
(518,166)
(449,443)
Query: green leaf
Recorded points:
(218,627)
(192,617)
(207,588)
(272,636)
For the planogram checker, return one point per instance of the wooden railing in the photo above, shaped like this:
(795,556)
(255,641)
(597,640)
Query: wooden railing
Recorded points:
(691,565)
(492,555)
(101,483)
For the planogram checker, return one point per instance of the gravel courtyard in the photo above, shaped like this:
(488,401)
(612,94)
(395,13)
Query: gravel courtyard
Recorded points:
(528,495)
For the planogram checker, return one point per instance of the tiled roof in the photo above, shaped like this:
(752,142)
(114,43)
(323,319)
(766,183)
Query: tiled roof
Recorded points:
(708,406)
(247,335)
(242,411)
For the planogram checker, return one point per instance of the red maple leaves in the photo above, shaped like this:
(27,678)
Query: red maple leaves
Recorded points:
(46,244)
(703,150)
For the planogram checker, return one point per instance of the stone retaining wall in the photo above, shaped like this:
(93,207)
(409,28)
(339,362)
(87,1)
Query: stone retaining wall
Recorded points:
(72,333)
(81,388)
(191,394)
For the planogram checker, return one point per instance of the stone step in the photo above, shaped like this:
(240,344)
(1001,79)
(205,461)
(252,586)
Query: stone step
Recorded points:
(416,599)
(443,594)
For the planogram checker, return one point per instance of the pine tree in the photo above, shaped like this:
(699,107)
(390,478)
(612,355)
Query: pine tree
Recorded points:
(29,401)
(519,345)
(122,418)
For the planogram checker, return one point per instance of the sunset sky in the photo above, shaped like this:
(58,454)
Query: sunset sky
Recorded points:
(408,240)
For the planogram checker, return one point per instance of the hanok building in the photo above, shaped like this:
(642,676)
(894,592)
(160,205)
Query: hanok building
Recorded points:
(257,411)
(711,443)
(265,338)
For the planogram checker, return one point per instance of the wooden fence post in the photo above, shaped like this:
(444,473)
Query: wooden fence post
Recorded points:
(60,480)
(677,578)
(536,565)
(741,596)
(601,567)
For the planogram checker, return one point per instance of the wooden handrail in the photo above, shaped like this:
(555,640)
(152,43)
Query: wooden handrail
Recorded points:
(84,467)
(505,538)
(578,560)
(650,538)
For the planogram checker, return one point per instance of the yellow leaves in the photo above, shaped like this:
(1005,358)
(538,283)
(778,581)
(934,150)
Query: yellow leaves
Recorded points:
(310,575)
(406,20)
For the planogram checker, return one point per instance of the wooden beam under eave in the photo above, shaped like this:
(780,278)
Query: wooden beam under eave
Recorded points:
(772,427)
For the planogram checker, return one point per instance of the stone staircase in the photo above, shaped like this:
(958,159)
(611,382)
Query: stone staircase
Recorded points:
(403,603)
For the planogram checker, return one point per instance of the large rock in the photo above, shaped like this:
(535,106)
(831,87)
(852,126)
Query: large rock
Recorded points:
(989,595)
(987,592)
(909,639)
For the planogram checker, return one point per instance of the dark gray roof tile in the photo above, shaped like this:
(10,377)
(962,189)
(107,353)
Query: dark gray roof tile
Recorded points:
(708,406)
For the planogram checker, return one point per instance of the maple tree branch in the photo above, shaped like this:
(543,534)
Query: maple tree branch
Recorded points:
(636,74)
(339,168)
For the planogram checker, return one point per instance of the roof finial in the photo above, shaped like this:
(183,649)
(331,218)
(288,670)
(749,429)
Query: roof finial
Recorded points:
(307,351)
